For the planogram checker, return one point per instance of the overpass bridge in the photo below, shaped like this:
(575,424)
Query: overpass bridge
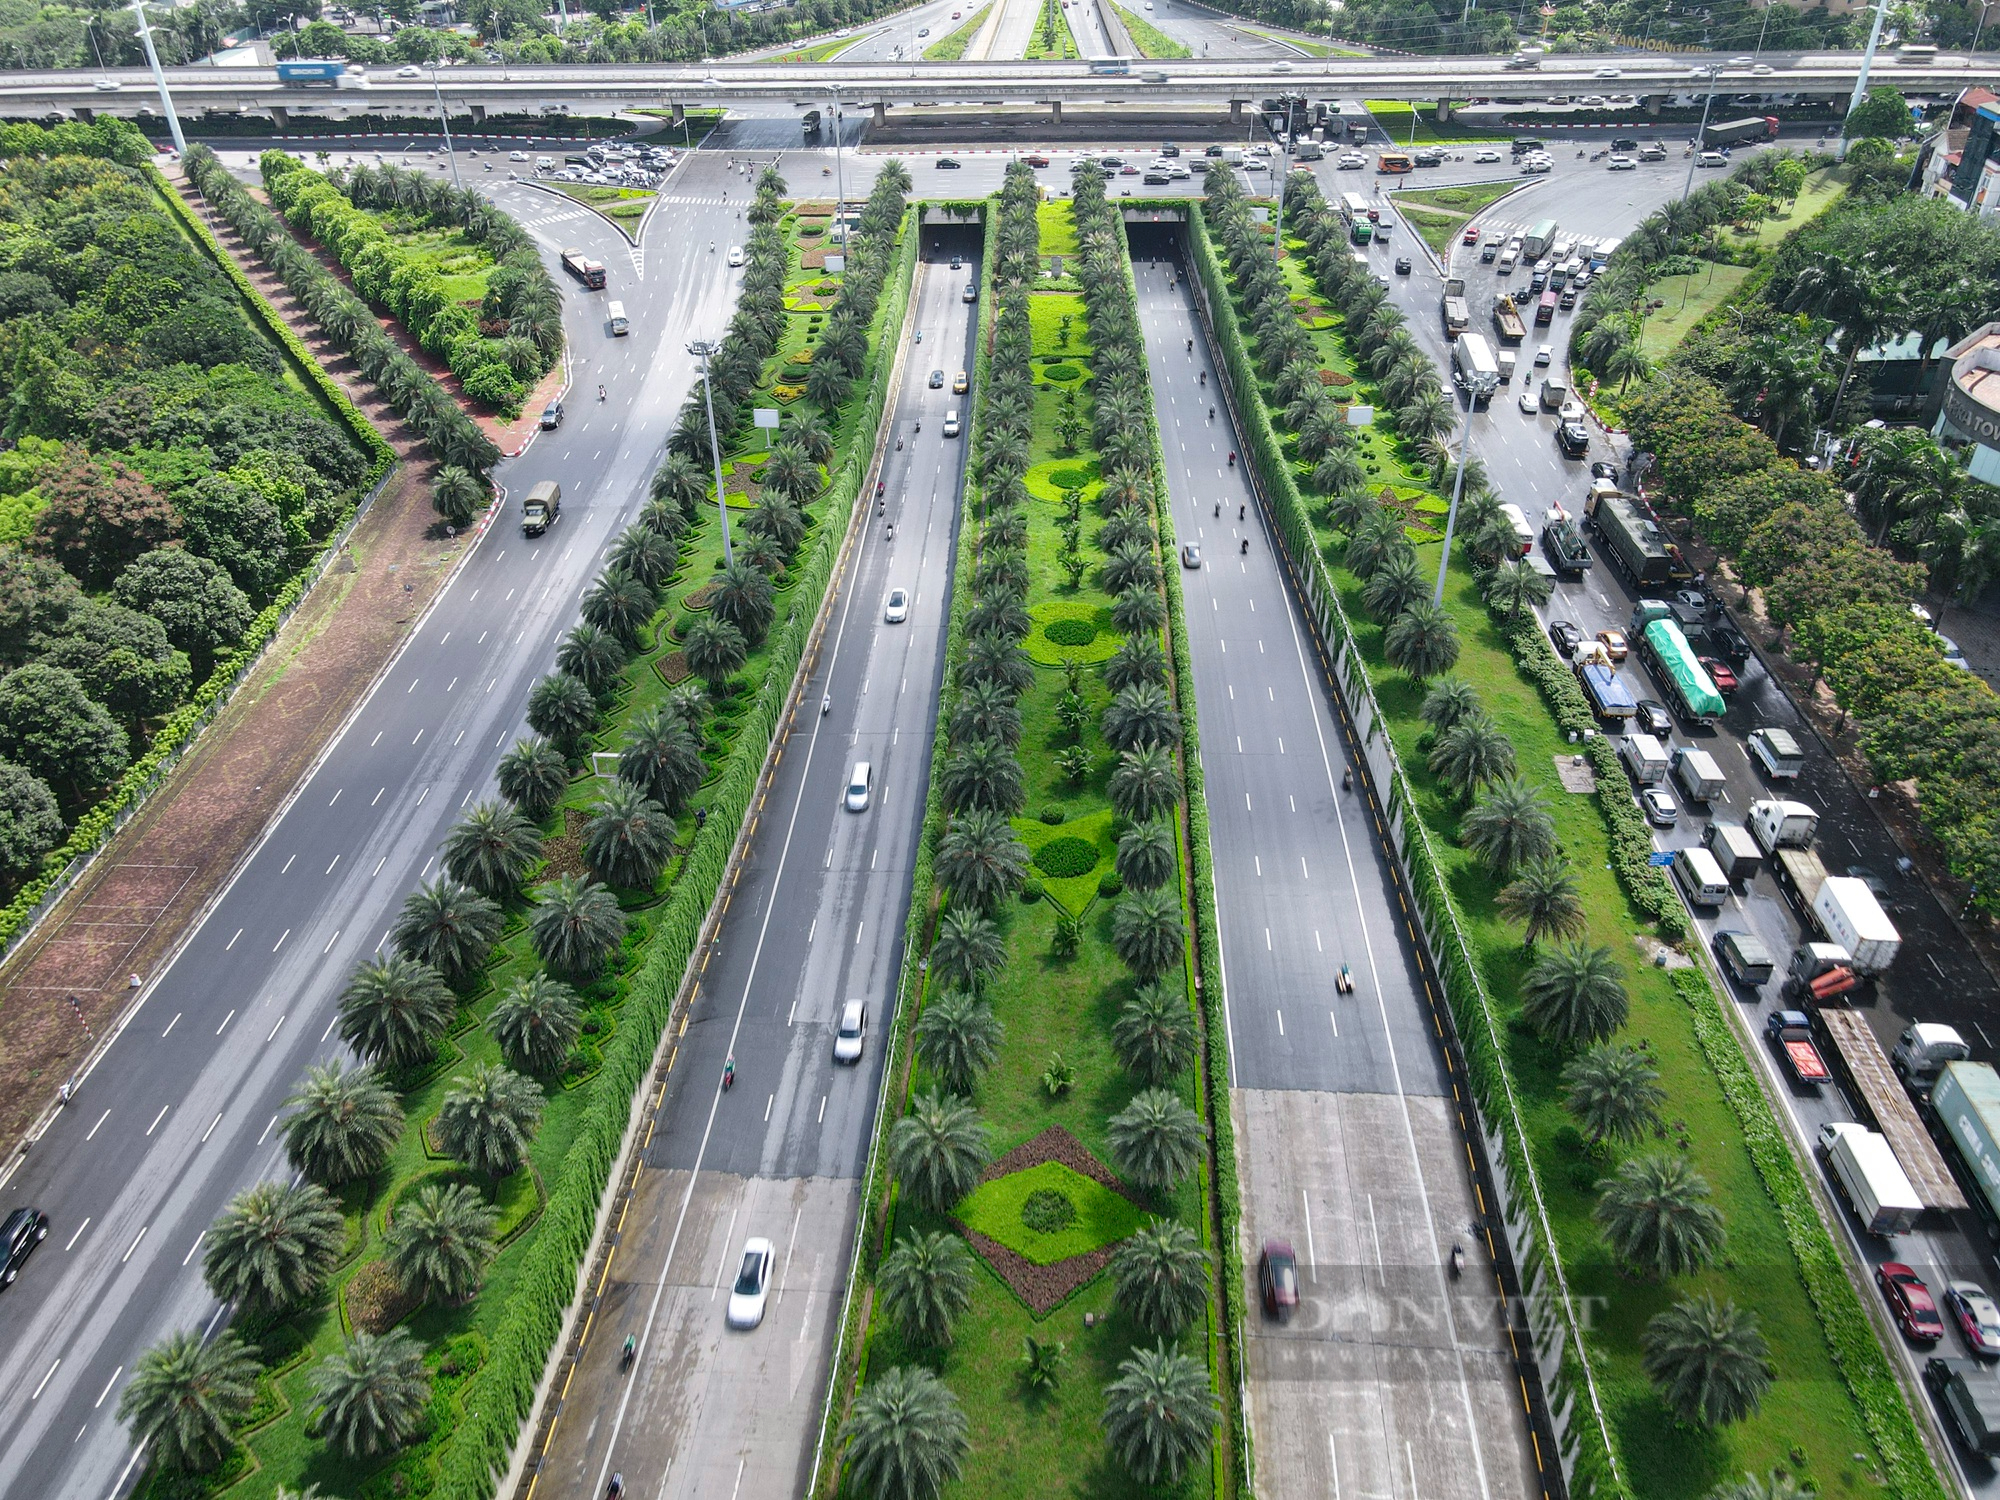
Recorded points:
(767,88)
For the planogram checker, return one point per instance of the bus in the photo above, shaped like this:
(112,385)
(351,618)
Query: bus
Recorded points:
(1110,67)
(1393,162)
(1536,245)
(1916,52)
(1354,209)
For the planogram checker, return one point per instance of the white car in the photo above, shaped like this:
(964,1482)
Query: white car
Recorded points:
(1354,161)
(1659,806)
(753,1285)
(517,156)
(1738,62)
(1572,411)
(1621,163)
(1529,406)
(108,85)
(897,610)
(1591,101)
(1609,73)
(1486,154)
(1711,159)
(736,255)
(409,70)
(1544,355)
(1763,70)
(847,1037)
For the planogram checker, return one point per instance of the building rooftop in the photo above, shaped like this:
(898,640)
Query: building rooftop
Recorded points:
(1975,367)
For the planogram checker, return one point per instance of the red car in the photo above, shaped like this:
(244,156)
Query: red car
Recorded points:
(1036,161)
(1278,1279)
(1910,1301)
(1471,234)
(1720,673)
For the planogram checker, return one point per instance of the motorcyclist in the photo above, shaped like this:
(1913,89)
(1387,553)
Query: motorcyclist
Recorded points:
(1232,458)
(1211,414)
(1204,379)
(1242,512)
(625,1355)
(728,1073)
(1246,546)
(1190,346)
(600,393)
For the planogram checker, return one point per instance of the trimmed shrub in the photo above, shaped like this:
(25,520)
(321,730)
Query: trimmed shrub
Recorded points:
(1066,857)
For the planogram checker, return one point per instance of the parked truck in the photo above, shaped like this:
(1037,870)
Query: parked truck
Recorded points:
(1778,752)
(1608,696)
(1964,1388)
(1924,1048)
(1563,545)
(1638,544)
(1507,321)
(1790,1031)
(541,507)
(1457,315)
(1735,850)
(1966,1106)
(1700,777)
(1870,1178)
(1740,132)
(1778,824)
(1848,914)
(1473,368)
(584,269)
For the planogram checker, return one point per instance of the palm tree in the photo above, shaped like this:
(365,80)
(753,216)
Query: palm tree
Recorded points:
(925,1284)
(1428,414)
(1339,472)
(957,1037)
(1154,1034)
(1138,611)
(491,848)
(440,1243)
(1710,1361)
(1471,754)
(986,711)
(662,759)
(967,948)
(593,657)
(744,598)
(1395,587)
(664,520)
(344,1123)
(1158,1414)
(1145,784)
(1614,1090)
(185,1396)
(1422,640)
(564,710)
(1545,900)
(629,838)
(449,926)
(392,1008)
(619,604)
(1447,701)
(999,613)
(1148,854)
(1375,540)
(980,861)
(983,774)
(488,1118)
(1162,1277)
(1655,1215)
(715,651)
(1515,586)
(536,1023)
(645,554)
(905,1436)
(1156,1140)
(273,1246)
(370,1397)
(1575,994)
(1138,659)
(1141,715)
(533,776)
(457,495)
(938,1150)
(1627,363)
(1147,931)
(788,472)
(576,928)
(1510,827)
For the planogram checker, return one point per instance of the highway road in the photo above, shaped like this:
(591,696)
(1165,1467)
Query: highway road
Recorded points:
(179,1114)
(816,920)
(1205,33)
(1937,977)
(1393,1380)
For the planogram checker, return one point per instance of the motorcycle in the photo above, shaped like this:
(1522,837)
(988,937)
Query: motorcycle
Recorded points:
(628,1353)
(1347,779)
(728,1075)
(1246,546)
(1232,459)
(1457,1262)
(1343,982)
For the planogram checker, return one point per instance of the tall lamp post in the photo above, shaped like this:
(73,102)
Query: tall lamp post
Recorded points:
(1861,78)
(159,79)
(706,349)
(1457,489)
(444,119)
(1694,156)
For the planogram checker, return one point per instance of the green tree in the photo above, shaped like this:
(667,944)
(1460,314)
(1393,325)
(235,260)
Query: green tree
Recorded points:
(1156,1140)
(745,598)
(967,948)
(1709,1361)
(1575,994)
(488,1119)
(52,728)
(564,710)
(957,1038)
(392,1010)
(646,555)
(593,657)
(1510,827)
(533,776)
(1147,931)
(1158,1414)
(983,775)
(662,758)
(1138,659)
(457,495)
(1655,1215)
(1515,586)
(1148,854)
(1473,753)
(629,838)
(1154,1034)
(491,848)
(715,650)
(938,1150)
(370,1396)
(30,824)
(1884,113)
(440,1243)
(273,1247)
(925,1285)
(1378,538)
(193,598)
(1614,1090)
(980,860)
(1447,701)
(986,711)
(449,926)
(1141,715)
(905,1436)
(576,928)
(1422,640)
(1145,784)
(1138,611)
(1162,1277)
(1396,586)
(185,1397)
(536,1023)
(1545,899)
(343,1124)
(620,605)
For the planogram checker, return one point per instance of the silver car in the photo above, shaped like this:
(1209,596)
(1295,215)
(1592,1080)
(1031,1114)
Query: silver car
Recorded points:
(853,1028)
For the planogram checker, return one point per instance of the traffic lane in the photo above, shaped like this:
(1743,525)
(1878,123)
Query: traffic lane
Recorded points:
(1206,36)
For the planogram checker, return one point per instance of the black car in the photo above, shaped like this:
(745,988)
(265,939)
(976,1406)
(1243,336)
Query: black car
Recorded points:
(1169,150)
(1429,158)
(957,261)
(1565,636)
(1652,717)
(552,416)
(1402,265)
(22,1230)
(1604,469)
(1490,251)
(1211,151)
(937,380)
(1157,179)
(1278,1279)
(946,161)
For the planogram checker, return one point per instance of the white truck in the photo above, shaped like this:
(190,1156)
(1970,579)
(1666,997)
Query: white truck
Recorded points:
(1474,368)
(1870,1178)
(1527,57)
(1778,824)
(1926,1047)
(1700,777)
(1778,753)
(1849,915)
(1457,312)
(1645,757)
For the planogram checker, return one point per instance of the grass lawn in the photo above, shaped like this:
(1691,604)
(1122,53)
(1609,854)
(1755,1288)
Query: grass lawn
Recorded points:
(1311,49)
(951,46)
(1052,38)
(1688,300)
(1461,202)
(1393,115)
(819,52)
(1148,38)
(624,207)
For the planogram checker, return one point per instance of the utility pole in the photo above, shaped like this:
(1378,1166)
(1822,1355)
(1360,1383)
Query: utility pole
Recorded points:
(705,348)
(444,119)
(1694,156)
(1861,78)
(1457,489)
(160,79)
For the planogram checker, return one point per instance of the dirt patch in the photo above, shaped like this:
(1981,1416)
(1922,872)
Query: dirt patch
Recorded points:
(1044,1288)
(66,985)
(564,852)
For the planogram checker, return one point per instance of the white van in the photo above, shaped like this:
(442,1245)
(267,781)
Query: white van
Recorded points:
(1524,536)
(1700,877)
(616,313)
(951,424)
(859,784)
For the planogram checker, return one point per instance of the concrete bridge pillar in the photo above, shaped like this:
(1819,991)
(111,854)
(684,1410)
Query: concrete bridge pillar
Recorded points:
(280,115)
(882,112)
(1653,103)
(1235,113)
(478,113)
(1055,110)
(1444,111)
(84,115)
(680,115)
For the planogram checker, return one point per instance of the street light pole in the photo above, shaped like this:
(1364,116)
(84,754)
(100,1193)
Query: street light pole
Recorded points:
(1457,489)
(1980,27)
(1694,156)
(705,348)
(1861,78)
(160,79)
(444,119)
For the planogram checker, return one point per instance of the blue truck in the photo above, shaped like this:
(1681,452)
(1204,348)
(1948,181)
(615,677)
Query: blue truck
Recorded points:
(312,72)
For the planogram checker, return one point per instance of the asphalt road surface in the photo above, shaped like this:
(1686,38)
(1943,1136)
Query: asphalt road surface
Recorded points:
(817,919)
(179,1114)
(1207,34)
(1393,1379)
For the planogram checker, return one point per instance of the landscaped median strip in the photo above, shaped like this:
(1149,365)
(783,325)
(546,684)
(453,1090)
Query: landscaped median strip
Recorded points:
(1056,785)
(1690,1300)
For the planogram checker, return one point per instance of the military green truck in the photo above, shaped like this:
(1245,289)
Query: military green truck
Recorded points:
(541,508)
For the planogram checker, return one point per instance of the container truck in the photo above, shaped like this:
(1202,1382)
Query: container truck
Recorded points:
(1745,958)
(1474,369)
(1689,689)
(1849,914)
(1638,544)
(1783,825)
(1740,132)
(1608,696)
(1457,315)
(1870,1178)
(1527,57)
(1645,757)
(1965,1389)
(1563,545)
(1887,1106)
(1966,1105)
(1507,322)
(1925,1047)
(1800,875)
(1790,1031)
(583,268)
(1700,777)
(312,72)
(1735,850)
(1778,752)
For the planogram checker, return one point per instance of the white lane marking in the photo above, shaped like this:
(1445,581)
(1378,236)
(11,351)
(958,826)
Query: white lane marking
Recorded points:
(211,1127)
(133,1246)
(157,1118)
(100,1120)
(194,1247)
(107,1388)
(78,1235)
(232,942)
(1336,1022)
(1281,1022)
(45,1380)
(281,940)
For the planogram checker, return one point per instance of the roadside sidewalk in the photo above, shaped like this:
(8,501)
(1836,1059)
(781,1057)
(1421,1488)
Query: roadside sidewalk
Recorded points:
(65,989)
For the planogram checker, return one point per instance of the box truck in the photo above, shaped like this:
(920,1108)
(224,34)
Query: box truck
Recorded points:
(1744,957)
(1778,824)
(1849,914)
(1700,777)
(1778,753)
(540,508)
(1645,757)
(1966,1391)
(1474,369)
(1924,1048)
(1457,314)
(1735,850)
(1966,1104)
(1869,1178)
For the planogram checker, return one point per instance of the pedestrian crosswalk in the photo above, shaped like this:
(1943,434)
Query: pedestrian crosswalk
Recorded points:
(561,216)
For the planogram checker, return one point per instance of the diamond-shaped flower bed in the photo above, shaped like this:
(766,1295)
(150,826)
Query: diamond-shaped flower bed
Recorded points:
(1047,1217)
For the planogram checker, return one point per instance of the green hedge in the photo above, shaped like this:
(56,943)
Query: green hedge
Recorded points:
(480,1449)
